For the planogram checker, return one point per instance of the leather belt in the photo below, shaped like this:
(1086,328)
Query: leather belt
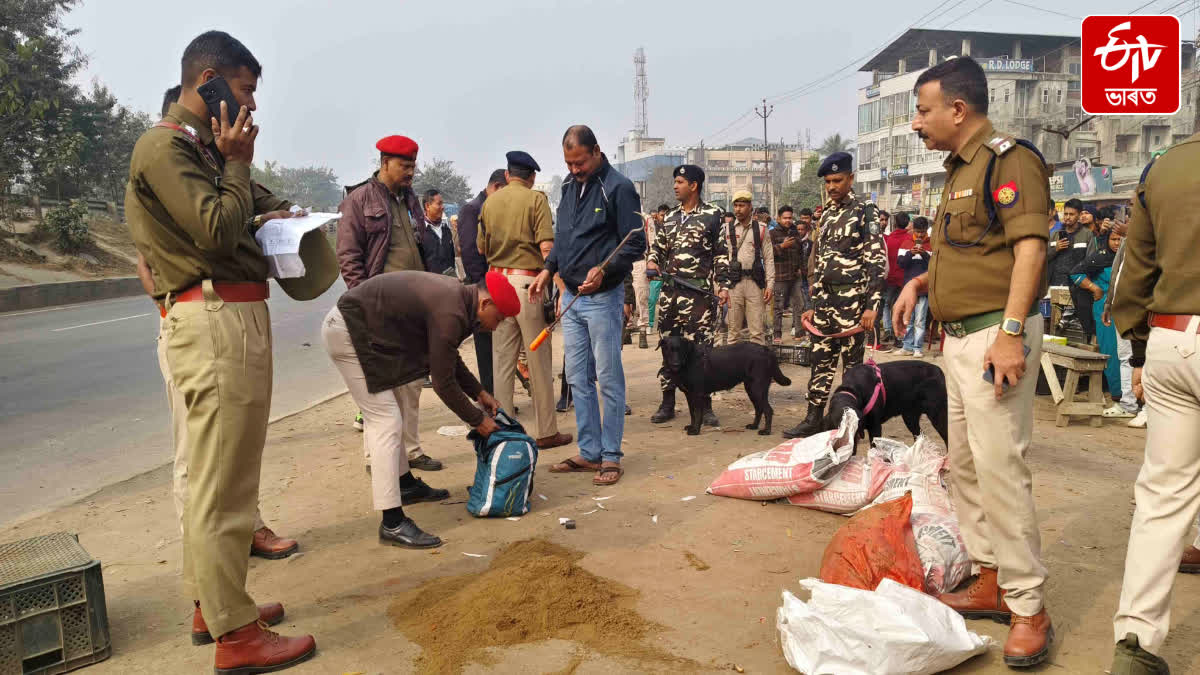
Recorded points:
(520,273)
(1179,322)
(229,291)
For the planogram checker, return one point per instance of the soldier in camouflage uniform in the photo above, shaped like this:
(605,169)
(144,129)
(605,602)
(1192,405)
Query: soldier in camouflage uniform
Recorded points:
(689,246)
(850,266)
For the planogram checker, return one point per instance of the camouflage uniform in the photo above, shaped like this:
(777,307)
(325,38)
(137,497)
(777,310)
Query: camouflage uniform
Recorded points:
(848,277)
(690,247)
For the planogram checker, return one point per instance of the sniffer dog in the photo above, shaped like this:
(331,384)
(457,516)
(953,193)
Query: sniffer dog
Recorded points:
(700,372)
(880,392)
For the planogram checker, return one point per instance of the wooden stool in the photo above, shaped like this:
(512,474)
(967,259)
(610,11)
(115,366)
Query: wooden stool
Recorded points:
(1076,362)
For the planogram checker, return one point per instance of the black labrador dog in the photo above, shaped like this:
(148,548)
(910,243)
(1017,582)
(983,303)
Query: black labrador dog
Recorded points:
(909,389)
(700,372)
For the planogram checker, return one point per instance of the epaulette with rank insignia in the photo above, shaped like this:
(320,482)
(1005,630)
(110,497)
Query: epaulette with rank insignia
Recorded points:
(1002,144)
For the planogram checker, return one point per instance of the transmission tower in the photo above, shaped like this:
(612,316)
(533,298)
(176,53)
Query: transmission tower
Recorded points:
(641,92)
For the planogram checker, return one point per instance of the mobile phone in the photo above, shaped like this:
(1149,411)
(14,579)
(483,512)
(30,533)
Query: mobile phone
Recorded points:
(989,375)
(213,92)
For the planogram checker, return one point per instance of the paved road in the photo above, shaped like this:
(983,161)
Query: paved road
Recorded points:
(82,399)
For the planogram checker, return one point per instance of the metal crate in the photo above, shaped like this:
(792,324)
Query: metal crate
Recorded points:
(793,354)
(52,613)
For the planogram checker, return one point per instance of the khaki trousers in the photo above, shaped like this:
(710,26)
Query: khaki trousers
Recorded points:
(507,340)
(1167,488)
(747,310)
(992,484)
(409,398)
(384,427)
(178,411)
(219,356)
(641,291)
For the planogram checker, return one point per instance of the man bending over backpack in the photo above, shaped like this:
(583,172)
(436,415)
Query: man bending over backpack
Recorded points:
(396,328)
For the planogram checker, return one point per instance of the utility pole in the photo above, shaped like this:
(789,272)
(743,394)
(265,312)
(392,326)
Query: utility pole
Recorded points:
(764,112)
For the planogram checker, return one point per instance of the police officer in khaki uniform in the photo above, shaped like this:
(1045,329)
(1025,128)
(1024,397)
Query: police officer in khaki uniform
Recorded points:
(192,209)
(750,246)
(516,233)
(985,277)
(1156,305)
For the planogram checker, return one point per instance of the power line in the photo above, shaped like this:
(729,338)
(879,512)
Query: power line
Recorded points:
(1043,9)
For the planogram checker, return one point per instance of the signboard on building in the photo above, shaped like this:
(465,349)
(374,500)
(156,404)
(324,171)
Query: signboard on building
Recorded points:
(1081,179)
(901,170)
(1007,65)
(916,192)
(872,91)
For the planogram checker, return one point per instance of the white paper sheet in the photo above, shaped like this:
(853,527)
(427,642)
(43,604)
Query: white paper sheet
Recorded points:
(280,241)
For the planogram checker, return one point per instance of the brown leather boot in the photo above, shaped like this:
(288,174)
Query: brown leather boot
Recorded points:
(270,614)
(1029,640)
(254,649)
(1190,564)
(557,440)
(268,545)
(982,599)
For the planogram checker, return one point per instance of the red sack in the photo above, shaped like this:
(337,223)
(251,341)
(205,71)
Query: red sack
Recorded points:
(874,545)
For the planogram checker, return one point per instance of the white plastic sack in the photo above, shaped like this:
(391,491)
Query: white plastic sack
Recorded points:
(893,630)
(790,468)
(935,524)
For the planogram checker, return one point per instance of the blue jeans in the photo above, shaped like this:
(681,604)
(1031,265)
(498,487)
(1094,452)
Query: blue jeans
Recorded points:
(592,345)
(916,327)
(890,293)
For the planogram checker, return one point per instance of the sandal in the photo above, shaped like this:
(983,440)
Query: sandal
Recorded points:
(572,467)
(605,471)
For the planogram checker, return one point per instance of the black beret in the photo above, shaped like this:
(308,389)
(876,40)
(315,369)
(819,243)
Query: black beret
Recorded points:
(690,172)
(521,158)
(838,162)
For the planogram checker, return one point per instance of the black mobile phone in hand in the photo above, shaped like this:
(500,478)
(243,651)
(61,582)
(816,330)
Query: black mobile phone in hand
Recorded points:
(989,375)
(213,92)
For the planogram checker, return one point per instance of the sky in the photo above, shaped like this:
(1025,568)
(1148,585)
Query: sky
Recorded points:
(471,80)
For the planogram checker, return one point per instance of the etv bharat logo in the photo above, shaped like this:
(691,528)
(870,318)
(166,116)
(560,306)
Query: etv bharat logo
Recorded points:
(1130,65)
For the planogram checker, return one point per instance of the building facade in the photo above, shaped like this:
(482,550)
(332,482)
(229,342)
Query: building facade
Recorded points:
(1033,93)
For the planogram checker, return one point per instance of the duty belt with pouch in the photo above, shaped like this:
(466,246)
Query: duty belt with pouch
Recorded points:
(977,322)
(691,284)
(842,288)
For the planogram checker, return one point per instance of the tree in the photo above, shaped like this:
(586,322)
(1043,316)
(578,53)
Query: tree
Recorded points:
(555,194)
(660,188)
(440,175)
(835,143)
(806,192)
(316,187)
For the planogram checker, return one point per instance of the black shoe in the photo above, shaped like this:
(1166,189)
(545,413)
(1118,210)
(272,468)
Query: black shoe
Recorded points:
(710,418)
(666,411)
(810,425)
(428,382)
(1130,659)
(564,402)
(422,493)
(642,341)
(408,535)
(628,410)
(425,463)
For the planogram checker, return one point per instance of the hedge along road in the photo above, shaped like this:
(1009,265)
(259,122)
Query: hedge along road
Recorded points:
(83,404)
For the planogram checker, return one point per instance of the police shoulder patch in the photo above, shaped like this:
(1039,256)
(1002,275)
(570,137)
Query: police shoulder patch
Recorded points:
(875,227)
(1002,144)
(1006,195)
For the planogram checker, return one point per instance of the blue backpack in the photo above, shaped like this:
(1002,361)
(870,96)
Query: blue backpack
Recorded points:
(504,470)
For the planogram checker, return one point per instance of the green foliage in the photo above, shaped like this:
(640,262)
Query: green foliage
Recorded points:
(835,143)
(805,192)
(311,186)
(67,225)
(441,175)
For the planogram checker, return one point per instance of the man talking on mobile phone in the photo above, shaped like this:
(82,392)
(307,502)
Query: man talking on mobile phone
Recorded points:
(986,272)
(192,212)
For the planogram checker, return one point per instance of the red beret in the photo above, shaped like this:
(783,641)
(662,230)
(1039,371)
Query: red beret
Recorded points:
(401,146)
(503,294)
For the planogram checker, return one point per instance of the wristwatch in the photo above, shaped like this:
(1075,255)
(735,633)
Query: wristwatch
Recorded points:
(1013,327)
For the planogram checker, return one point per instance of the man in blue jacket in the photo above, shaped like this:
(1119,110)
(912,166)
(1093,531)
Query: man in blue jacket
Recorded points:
(598,208)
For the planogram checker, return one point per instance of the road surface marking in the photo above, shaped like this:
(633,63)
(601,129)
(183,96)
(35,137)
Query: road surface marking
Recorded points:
(59,308)
(97,323)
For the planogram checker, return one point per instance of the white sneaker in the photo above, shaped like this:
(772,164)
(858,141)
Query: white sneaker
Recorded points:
(1116,411)
(906,352)
(1139,421)
(918,354)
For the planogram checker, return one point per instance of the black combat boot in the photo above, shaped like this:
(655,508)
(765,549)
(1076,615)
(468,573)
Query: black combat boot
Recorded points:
(810,425)
(626,336)
(642,340)
(564,401)
(666,411)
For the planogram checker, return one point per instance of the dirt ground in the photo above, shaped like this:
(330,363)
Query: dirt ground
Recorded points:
(708,573)
(25,260)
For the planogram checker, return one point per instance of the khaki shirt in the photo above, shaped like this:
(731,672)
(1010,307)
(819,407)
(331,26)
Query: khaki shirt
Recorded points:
(512,223)
(1160,273)
(966,279)
(188,216)
(745,250)
(403,254)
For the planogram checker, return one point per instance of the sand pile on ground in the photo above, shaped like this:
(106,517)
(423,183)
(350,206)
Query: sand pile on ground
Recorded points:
(533,591)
